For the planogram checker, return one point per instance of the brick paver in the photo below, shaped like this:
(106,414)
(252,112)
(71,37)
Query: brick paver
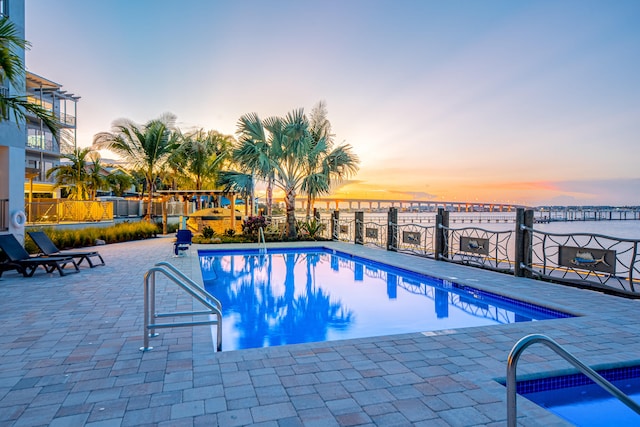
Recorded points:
(69,355)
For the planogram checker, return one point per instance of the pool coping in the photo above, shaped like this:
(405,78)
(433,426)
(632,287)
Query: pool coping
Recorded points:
(518,288)
(67,359)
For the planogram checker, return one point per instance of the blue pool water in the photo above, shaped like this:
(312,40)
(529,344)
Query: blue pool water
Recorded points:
(294,296)
(578,400)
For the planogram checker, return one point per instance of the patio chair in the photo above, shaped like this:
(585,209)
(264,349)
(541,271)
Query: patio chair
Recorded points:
(183,241)
(48,248)
(6,265)
(28,264)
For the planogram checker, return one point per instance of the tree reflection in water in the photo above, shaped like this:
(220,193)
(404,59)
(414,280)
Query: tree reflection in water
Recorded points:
(268,309)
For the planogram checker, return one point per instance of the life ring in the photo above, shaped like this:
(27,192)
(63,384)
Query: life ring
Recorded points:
(18,219)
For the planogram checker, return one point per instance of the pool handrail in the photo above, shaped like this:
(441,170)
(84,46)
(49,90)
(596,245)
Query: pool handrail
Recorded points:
(512,362)
(263,248)
(191,282)
(209,301)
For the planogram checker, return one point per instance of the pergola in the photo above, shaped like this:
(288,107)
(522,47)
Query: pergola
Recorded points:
(186,195)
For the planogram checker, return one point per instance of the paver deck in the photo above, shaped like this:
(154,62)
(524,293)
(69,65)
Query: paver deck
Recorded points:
(69,355)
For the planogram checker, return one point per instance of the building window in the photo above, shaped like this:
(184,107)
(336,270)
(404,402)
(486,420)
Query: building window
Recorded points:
(4,7)
(39,139)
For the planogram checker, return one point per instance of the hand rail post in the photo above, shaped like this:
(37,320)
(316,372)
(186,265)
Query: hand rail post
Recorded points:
(145,332)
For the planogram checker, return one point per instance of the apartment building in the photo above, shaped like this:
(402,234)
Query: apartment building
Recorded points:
(42,149)
(27,148)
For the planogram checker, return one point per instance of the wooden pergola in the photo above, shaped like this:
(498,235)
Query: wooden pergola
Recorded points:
(186,195)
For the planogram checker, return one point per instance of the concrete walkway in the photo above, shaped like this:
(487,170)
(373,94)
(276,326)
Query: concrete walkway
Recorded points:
(69,356)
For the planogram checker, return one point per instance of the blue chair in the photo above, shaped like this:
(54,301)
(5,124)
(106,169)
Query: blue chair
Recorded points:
(183,241)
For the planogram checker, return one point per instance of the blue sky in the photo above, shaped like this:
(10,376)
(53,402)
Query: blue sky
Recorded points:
(533,102)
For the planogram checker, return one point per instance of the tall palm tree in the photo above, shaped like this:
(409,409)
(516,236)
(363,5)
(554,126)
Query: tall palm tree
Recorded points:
(74,174)
(252,155)
(12,71)
(284,151)
(145,147)
(325,164)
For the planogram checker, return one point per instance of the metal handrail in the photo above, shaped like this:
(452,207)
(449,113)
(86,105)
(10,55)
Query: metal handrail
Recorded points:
(184,277)
(263,248)
(525,342)
(205,298)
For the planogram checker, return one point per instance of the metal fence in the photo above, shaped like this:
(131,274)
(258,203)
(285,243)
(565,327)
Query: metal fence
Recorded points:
(592,261)
(53,211)
(58,211)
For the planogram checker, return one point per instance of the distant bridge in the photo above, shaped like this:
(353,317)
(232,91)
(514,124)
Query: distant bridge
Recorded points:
(338,203)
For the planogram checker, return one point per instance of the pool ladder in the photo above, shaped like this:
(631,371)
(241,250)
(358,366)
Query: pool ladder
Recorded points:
(525,342)
(263,248)
(213,306)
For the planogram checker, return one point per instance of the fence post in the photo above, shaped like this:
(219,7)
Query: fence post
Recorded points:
(524,243)
(392,230)
(335,216)
(518,271)
(527,242)
(442,220)
(359,231)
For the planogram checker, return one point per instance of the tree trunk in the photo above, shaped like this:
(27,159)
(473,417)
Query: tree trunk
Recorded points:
(149,199)
(290,202)
(270,196)
(309,201)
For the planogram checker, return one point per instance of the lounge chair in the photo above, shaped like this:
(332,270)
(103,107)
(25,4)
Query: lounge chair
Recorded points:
(49,248)
(8,265)
(28,264)
(183,241)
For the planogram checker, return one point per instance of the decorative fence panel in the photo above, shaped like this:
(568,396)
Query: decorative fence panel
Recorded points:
(593,261)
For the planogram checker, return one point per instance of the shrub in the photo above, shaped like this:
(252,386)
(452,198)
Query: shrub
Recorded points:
(207,232)
(313,227)
(252,224)
(75,238)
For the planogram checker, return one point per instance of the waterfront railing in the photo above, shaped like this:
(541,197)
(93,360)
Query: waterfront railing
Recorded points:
(593,261)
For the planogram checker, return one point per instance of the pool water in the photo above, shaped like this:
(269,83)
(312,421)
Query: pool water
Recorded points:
(578,400)
(296,296)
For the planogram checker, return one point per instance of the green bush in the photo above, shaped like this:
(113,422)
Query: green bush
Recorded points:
(76,238)
(313,227)
(207,232)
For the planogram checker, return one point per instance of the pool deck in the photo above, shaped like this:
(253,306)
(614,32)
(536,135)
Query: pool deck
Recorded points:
(69,355)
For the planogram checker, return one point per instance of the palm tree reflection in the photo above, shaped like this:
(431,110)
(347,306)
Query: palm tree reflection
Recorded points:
(268,311)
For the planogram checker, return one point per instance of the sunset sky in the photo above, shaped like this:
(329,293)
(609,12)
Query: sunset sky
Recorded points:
(528,102)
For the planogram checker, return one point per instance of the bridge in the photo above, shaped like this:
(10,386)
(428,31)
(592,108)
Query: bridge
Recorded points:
(338,203)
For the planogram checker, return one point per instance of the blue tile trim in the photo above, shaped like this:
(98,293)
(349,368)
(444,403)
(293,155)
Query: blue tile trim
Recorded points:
(575,380)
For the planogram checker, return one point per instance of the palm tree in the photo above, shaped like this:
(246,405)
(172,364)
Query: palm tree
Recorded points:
(12,70)
(285,152)
(201,156)
(95,179)
(75,174)
(252,155)
(325,164)
(145,147)
(119,182)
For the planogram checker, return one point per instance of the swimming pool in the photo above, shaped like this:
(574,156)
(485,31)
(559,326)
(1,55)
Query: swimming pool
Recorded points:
(316,294)
(578,400)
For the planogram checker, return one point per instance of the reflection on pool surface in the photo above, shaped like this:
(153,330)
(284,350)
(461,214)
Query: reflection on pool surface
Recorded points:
(307,295)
